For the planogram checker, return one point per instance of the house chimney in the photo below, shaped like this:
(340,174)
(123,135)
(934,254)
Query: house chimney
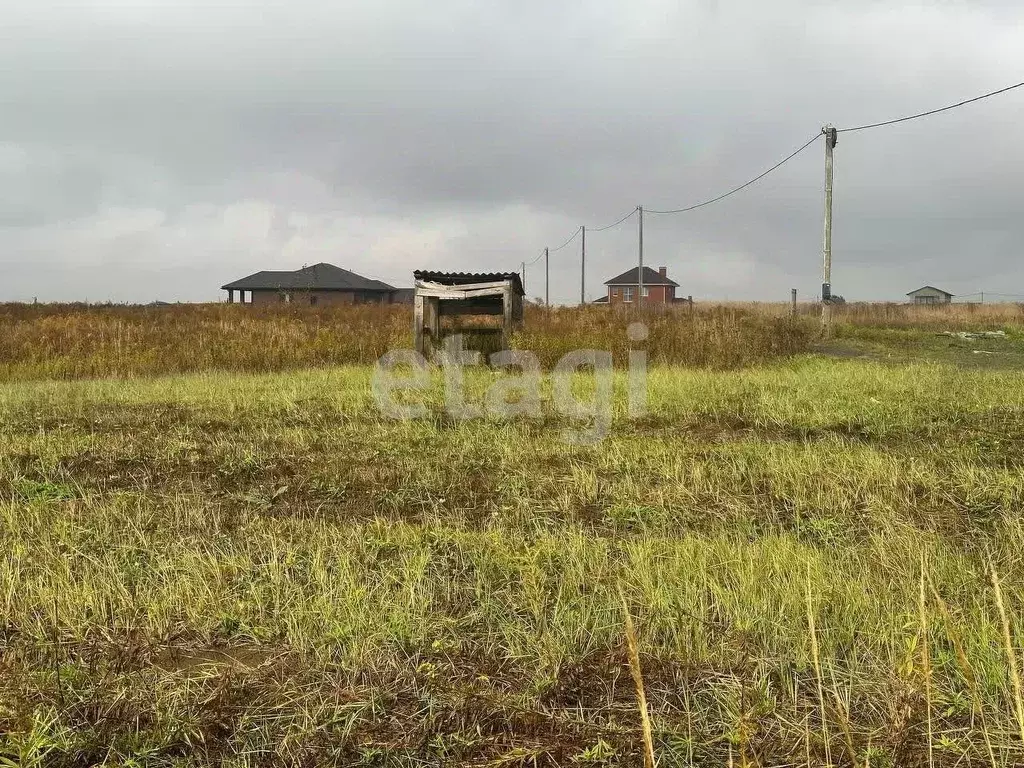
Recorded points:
(663,271)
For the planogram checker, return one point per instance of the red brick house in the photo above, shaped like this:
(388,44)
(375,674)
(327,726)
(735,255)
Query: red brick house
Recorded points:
(658,287)
(318,284)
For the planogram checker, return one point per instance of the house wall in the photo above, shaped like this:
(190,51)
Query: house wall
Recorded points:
(930,296)
(322,298)
(657,294)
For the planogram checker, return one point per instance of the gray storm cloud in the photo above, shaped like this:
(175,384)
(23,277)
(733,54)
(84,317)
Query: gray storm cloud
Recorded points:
(159,150)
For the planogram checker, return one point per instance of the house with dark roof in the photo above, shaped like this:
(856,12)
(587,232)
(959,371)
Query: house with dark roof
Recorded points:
(658,287)
(929,295)
(317,284)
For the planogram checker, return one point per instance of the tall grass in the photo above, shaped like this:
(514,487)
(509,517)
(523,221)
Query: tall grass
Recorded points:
(940,317)
(953,316)
(88,341)
(709,337)
(78,341)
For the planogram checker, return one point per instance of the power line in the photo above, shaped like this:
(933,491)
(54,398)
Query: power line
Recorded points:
(741,186)
(602,229)
(692,207)
(539,257)
(577,232)
(574,234)
(681,210)
(931,111)
(777,166)
(988,293)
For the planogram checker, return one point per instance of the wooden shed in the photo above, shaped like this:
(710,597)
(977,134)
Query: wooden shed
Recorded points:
(454,294)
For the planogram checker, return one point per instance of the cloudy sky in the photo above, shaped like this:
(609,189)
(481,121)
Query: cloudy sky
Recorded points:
(158,149)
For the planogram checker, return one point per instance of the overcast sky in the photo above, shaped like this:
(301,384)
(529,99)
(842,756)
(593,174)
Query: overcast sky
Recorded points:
(156,150)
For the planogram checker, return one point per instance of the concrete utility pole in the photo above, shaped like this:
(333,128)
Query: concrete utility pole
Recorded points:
(547,279)
(826,285)
(522,273)
(640,271)
(583,266)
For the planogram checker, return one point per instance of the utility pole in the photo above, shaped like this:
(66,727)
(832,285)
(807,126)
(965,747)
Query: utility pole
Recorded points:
(547,279)
(792,293)
(583,266)
(826,285)
(640,271)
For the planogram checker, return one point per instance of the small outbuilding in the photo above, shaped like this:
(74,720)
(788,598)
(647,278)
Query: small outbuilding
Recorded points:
(930,295)
(455,294)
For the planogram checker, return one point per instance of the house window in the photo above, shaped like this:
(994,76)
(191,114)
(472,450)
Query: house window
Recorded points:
(647,291)
(627,293)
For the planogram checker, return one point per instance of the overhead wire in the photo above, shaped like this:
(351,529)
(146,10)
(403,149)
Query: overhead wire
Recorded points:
(538,258)
(931,111)
(779,164)
(580,229)
(614,224)
(741,186)
(574,234)
(987,293)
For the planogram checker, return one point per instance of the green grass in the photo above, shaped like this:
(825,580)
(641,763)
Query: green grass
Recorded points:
(915,345)
(260,569)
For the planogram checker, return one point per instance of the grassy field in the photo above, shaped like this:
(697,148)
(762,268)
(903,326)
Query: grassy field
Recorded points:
(260,569)
(79,341)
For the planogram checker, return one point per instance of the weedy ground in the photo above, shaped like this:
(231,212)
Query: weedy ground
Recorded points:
(260,569)
(88,341)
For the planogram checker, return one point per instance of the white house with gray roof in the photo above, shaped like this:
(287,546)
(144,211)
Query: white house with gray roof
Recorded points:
(930,295)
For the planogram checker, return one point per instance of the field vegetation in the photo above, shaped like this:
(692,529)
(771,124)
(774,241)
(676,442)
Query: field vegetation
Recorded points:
(69,342)
(820,557)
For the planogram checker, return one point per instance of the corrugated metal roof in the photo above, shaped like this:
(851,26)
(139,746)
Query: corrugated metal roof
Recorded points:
(467,278)
(321,277)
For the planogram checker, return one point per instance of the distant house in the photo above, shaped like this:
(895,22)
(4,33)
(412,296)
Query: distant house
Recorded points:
(658,287)
(318,284)
(930,295)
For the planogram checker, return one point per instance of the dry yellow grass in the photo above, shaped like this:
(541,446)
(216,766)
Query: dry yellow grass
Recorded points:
(940,317)
(77,341)
(953,316)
